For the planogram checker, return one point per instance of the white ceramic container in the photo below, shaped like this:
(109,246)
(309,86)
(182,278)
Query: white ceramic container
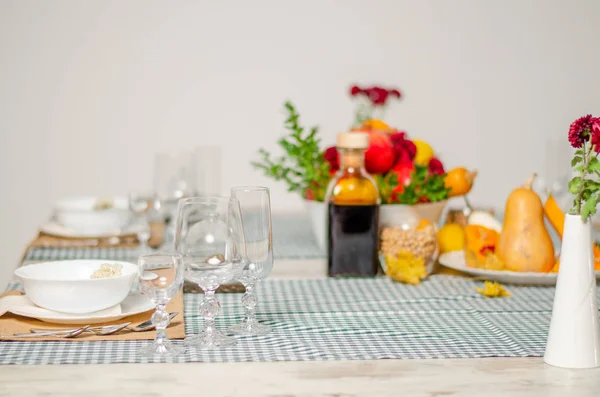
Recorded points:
(574,335)
(66,286)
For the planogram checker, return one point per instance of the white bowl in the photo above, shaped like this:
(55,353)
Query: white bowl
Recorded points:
(66,286)
(78,214)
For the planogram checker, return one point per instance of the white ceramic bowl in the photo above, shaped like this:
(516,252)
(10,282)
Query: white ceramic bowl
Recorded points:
(66,286)
(78,214)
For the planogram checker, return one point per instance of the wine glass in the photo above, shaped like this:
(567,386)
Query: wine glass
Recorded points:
(141,206)
(210,238)
(255,204)
(161,279)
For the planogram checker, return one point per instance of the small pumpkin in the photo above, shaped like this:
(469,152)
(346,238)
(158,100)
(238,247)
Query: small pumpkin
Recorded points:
(555,214)
(460,181)
(480,242)
(524,244)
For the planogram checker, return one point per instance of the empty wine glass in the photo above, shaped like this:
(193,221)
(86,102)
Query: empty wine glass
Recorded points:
(141,207)
(255,204)
(161,279)
(210,238)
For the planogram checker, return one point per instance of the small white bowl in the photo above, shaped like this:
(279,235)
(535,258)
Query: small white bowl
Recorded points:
(66,286)
(79,215)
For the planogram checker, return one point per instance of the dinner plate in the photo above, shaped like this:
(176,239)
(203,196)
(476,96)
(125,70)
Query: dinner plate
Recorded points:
(135,303)
(456,260)
(53,228)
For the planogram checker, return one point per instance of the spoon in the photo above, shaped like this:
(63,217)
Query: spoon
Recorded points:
(58,334)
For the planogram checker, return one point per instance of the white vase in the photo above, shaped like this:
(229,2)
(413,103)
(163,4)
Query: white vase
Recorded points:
(574,335)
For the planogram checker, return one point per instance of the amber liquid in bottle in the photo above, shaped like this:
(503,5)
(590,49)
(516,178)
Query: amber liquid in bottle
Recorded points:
(353,200)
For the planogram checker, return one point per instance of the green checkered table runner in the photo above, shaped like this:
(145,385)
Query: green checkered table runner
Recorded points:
(292,235)
(344,319)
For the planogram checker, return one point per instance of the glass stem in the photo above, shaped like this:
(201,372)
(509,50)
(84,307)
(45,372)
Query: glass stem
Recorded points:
(249,300)
(209,308)
(160,319)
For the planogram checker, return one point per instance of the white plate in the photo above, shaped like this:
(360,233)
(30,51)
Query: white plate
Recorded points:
(133,304)
(56,229)
(456,260)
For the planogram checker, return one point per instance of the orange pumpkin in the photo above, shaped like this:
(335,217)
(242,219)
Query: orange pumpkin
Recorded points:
(524,244)
(479,243)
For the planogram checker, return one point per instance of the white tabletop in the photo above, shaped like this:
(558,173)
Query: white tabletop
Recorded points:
(377,378)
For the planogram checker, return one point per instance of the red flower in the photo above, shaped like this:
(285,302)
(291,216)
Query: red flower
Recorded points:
(395,93)
(595,131)
(579,130)
(436,166)
(397,137)
(355,90)
(411,148)
(377,95)
(332,156)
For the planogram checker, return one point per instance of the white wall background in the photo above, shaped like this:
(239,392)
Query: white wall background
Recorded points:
(90,90)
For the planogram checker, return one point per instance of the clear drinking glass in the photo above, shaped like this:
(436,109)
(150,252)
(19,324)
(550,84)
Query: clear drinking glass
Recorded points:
(161,279)
(142,207)
(255,204)
(210,238)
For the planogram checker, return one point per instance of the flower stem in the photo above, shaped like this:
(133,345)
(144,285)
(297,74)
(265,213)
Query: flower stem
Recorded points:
(587,152)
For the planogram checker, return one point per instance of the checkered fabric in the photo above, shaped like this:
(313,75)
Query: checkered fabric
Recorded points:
(292,235)
(344,319)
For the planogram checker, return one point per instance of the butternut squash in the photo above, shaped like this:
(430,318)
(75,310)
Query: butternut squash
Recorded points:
(555,215)
(524,244)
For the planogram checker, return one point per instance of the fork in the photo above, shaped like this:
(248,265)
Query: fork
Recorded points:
(71,334)
(98,330)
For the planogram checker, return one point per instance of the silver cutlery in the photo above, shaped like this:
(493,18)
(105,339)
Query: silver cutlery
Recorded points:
(108,329)
(71,334)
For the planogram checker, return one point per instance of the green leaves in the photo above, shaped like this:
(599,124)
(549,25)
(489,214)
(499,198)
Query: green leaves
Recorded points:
(594,164)
(386,183)
(586,191)
(589,208)
(303,166)
(424,187)
(574,185)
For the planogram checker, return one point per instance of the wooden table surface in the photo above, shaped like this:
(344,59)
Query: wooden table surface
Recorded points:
(377,378)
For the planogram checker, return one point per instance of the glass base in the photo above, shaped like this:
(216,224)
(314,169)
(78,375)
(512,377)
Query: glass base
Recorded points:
(250,328)
(212,340)
(162,349)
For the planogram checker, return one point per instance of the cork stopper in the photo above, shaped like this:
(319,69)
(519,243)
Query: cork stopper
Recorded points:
(353,140)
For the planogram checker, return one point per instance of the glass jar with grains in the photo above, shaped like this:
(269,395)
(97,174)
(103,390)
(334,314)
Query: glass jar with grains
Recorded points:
(409,252)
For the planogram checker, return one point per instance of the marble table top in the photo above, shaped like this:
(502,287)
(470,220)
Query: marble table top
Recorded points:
(432,378)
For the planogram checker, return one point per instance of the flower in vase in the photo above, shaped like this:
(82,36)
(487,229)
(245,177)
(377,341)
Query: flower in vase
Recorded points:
(579,130)
(596,133)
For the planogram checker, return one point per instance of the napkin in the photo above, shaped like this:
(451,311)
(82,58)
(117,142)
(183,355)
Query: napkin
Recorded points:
(23,304)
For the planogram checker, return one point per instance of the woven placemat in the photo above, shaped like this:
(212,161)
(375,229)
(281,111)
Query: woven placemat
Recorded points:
(12,323)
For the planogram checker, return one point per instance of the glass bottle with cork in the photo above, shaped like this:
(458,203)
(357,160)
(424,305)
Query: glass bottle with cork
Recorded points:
(353,200)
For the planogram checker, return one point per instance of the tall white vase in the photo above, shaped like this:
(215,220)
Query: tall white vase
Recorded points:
(574,336)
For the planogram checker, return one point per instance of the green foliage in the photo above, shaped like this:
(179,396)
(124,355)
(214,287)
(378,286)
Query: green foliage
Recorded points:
(424,187)
(586,191)
(386,184)
(303,166)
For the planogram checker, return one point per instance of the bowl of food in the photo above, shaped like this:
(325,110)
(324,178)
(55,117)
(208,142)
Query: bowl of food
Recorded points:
(93,215)
(77,286)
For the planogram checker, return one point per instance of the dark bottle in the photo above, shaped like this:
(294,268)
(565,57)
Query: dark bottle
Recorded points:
(353,200)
